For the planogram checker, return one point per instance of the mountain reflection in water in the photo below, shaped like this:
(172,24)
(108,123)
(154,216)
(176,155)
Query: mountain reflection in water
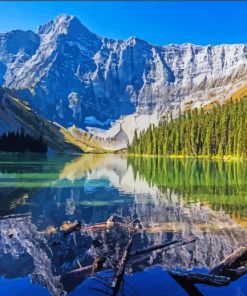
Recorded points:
(174,199)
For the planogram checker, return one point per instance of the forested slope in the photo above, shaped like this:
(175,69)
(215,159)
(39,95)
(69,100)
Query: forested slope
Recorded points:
(221,131)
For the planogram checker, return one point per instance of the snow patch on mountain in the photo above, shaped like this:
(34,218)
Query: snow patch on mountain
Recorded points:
(122,131)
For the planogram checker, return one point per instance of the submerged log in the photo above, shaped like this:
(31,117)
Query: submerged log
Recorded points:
(154,248)
(200,278)
(117,281)
(115,220)
(228,270)
(161,246)
(98,264)
(69,227)
(111,222)
(234,261)
(81,270)
(96,227)
(188,286)
(73,278)
(236,273)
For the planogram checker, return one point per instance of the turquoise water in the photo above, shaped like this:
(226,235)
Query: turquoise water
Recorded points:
(173,200)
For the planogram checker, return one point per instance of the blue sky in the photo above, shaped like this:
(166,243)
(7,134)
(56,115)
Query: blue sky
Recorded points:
(156,22)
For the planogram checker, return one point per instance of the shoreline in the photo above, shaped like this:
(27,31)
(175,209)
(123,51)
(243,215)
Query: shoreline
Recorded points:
(201,157)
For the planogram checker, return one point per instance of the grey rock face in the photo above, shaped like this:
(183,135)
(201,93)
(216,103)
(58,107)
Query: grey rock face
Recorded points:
(69,74)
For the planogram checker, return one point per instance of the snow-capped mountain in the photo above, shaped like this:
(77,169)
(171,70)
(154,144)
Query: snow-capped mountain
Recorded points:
(72,76)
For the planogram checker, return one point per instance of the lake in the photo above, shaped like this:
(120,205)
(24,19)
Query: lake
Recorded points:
(173,199)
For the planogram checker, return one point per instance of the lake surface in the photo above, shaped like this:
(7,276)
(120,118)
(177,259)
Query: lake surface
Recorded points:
(174,199)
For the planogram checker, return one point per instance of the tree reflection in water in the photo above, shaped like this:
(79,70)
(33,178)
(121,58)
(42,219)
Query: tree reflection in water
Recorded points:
(174,199)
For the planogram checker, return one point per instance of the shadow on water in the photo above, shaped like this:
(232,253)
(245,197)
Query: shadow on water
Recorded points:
(174,199)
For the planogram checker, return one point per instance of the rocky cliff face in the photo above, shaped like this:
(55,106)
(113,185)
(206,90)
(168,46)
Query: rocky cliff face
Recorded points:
(73,76)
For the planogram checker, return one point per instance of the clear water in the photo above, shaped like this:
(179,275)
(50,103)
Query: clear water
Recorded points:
(174,199)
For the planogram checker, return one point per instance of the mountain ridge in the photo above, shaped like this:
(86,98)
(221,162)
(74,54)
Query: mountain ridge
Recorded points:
(75,77)
(16,115)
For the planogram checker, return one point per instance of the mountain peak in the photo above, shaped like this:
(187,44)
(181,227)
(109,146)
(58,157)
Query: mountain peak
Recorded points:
(64,24)
(65,18)
(70,74)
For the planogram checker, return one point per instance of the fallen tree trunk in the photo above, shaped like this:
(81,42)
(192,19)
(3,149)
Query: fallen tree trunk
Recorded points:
(234,261)
(98,264)
(95,267)
(95,227)
(200,278)
(73,278)
(189,287)
(117,281)
(161,246)
(81,270)
(222,274)
(69,227)
(234,274)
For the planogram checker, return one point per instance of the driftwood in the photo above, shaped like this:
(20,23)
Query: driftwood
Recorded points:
(234,274)
(234,261)
(161,246)
(69,227)
(98,264)
(153,248)
(114,220)
(81,273)
(95,227)
(81,270)
(127,255)
(95,267)
(187,280)
(228,270)
(73,278)
(117,281)
(201,278)
(231,268)
(188,286)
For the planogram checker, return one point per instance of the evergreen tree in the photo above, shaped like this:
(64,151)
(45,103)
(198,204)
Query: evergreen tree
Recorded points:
(219,132)
(19,141)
